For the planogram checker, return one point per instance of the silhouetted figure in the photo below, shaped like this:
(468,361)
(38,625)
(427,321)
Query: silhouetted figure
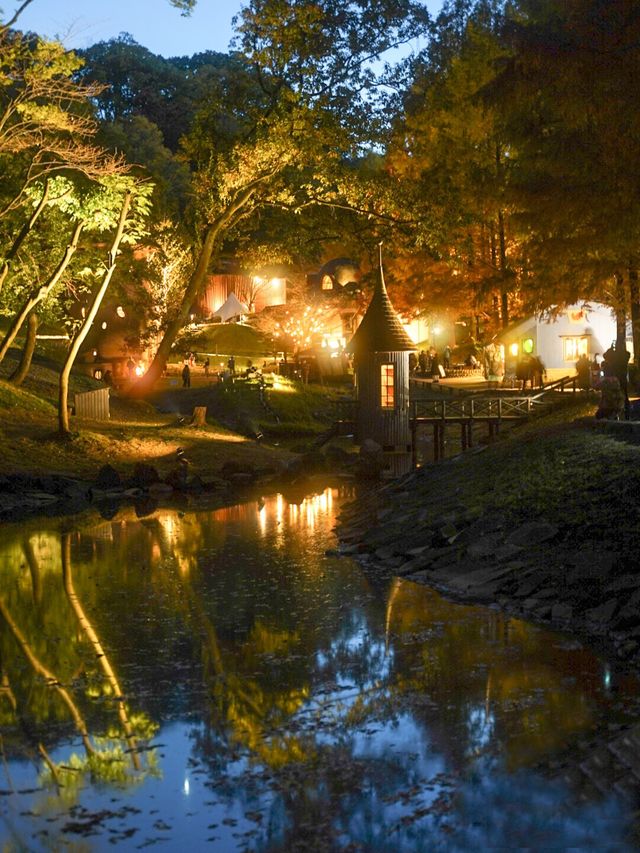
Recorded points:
(583,371)
(435,364)
(621,372)
(186,376)
(608,361)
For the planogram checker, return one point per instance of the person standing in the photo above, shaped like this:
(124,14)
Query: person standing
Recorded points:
(446,357)
(186,376)
(608,361)
(435,364)
(621,372)
(583,372)
(206,366)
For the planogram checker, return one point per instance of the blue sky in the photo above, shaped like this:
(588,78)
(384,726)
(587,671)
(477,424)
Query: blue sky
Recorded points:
(153,23)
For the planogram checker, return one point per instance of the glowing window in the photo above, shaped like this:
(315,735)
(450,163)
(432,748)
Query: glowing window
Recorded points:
(573,348)
(527,345)
(386,386)
(327,282)
(514,349)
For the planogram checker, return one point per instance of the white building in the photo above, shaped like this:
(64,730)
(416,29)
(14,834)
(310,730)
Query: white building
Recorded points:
(560,340)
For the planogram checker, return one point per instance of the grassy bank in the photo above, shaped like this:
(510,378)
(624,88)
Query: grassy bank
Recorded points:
(141,432)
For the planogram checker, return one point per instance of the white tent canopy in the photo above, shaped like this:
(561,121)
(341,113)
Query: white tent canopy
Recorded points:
(232,307)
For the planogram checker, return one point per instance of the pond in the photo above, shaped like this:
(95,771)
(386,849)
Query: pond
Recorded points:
(213,678)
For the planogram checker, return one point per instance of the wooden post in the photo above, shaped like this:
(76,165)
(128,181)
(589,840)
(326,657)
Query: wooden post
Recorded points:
(199,418)
(470,433)
(463,435)
(414,443)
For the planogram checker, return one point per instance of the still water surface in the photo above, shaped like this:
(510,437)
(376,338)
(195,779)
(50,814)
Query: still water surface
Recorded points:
(211,680)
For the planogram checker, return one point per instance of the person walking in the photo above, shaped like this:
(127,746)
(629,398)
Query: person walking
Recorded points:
(186,376)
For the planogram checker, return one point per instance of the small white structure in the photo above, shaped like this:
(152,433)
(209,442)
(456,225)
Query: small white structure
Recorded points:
(232,307)
(561,339)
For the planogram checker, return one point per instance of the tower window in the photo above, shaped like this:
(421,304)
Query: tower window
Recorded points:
(387,397)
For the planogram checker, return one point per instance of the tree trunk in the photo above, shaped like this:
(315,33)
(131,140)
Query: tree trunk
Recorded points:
(101,655)
(76,343)
(146,382)
(504,296)
(213,231)
(23,234)
(634,296)
(621,313)
(19,374)
(38,294)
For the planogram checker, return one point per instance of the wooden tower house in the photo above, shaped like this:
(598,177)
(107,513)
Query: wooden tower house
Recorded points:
(380,348)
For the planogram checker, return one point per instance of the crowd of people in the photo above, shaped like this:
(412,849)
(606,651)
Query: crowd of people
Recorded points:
(431,363)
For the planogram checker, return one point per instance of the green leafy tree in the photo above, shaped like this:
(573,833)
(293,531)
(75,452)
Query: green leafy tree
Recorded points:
(46,131)
(567,99)
(285,144)
(451,149)
(121,204)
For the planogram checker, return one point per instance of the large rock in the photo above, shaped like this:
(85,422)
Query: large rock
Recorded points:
(108,478)
(532,533)
(144,475)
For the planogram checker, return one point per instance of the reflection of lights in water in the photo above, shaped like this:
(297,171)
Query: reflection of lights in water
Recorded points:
(186,788)
(279,507)
(168,522)
(480,726)
(262,518)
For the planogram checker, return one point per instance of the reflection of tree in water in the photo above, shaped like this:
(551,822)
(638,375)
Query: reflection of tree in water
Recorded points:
(493,681)
(37,695)
(284,656)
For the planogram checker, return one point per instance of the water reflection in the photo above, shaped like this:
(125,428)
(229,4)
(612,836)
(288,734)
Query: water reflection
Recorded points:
(212,675)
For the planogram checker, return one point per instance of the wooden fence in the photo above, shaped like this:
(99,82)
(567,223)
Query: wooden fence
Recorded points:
(93,405)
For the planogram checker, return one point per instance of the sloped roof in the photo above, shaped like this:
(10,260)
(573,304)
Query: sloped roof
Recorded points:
(231,307)
(381,329)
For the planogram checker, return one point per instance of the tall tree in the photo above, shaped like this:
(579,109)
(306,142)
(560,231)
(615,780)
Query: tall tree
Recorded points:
(46,131)
(130,203)
(284,144)
(451,147)
(567,97)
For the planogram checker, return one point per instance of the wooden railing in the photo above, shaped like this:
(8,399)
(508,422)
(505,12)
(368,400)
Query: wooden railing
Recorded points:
(477,408)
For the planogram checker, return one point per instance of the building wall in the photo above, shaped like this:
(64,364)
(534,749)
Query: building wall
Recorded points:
(388,427)
(558,341)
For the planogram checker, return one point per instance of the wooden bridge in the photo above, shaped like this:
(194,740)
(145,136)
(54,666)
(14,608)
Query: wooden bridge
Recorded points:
(467,412)
(465,409)
(477,407)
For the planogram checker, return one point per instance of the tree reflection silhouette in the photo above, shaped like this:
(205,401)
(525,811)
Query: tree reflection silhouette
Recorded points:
(103,755)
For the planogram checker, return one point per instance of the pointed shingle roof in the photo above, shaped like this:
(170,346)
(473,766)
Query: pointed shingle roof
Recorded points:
(381,329)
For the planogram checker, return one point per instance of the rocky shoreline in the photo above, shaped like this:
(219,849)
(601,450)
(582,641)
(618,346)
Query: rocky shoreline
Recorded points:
(23,495)
(533,570)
